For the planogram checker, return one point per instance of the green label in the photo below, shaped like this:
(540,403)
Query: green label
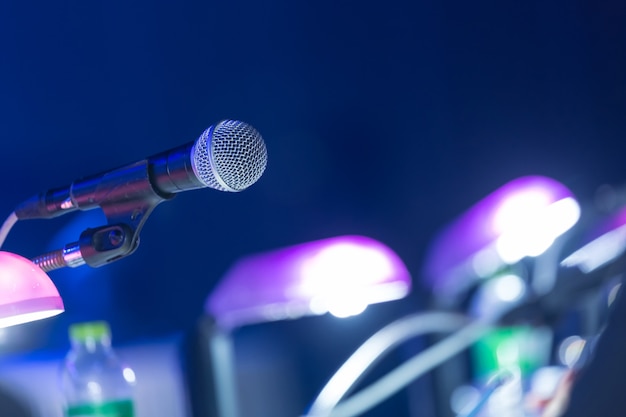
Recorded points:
(119,408)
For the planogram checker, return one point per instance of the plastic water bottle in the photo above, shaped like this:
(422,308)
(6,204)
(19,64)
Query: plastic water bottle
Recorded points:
(94,382)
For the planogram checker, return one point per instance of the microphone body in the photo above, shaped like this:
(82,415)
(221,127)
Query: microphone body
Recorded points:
(229,156)
(160,176)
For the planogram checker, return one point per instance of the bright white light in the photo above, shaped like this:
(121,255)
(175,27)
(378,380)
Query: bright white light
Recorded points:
(528,225)
(347,309)
(355,302)
(520,208)
(345,266)
(509,287)
(318,306)
(570,350)
(342,308)
(129,375)
(94,388)
(340,278)
(28,317)
(545,381)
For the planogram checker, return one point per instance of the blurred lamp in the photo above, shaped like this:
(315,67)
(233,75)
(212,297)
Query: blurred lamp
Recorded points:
(522,218)
(340,275)
(26,292)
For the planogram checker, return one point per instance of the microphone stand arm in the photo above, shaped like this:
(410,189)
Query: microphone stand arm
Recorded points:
(126,205)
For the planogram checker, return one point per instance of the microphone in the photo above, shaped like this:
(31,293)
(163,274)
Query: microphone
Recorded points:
(228,156)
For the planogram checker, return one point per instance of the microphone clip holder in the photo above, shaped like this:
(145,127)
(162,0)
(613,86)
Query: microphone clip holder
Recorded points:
(126,208)
(105,244)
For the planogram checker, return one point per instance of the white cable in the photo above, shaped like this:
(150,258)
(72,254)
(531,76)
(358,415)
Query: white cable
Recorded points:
(375,348)
(7,226)
(410,370)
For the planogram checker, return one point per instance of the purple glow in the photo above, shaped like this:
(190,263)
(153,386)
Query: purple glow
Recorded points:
(341,275)
(26,291)
(522,218)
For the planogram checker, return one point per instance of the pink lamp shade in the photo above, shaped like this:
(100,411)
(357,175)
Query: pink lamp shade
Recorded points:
(26,292)
(340,275)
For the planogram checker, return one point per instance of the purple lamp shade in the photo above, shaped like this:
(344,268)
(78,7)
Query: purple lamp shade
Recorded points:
(26,292)
(341,275)
(520,219)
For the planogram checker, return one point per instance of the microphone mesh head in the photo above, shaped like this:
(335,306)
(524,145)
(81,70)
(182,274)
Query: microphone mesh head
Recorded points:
(230,156)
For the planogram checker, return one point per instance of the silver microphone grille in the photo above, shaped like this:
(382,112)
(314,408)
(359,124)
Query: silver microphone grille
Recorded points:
(230,156)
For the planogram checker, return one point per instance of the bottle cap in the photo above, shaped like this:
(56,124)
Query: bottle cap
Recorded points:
(89,330)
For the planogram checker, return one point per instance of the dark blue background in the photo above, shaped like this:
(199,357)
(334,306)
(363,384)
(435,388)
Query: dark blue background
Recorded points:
(386,119)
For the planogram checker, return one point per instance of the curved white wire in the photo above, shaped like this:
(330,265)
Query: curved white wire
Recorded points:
(7,226)
(374,348)
(412,369)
